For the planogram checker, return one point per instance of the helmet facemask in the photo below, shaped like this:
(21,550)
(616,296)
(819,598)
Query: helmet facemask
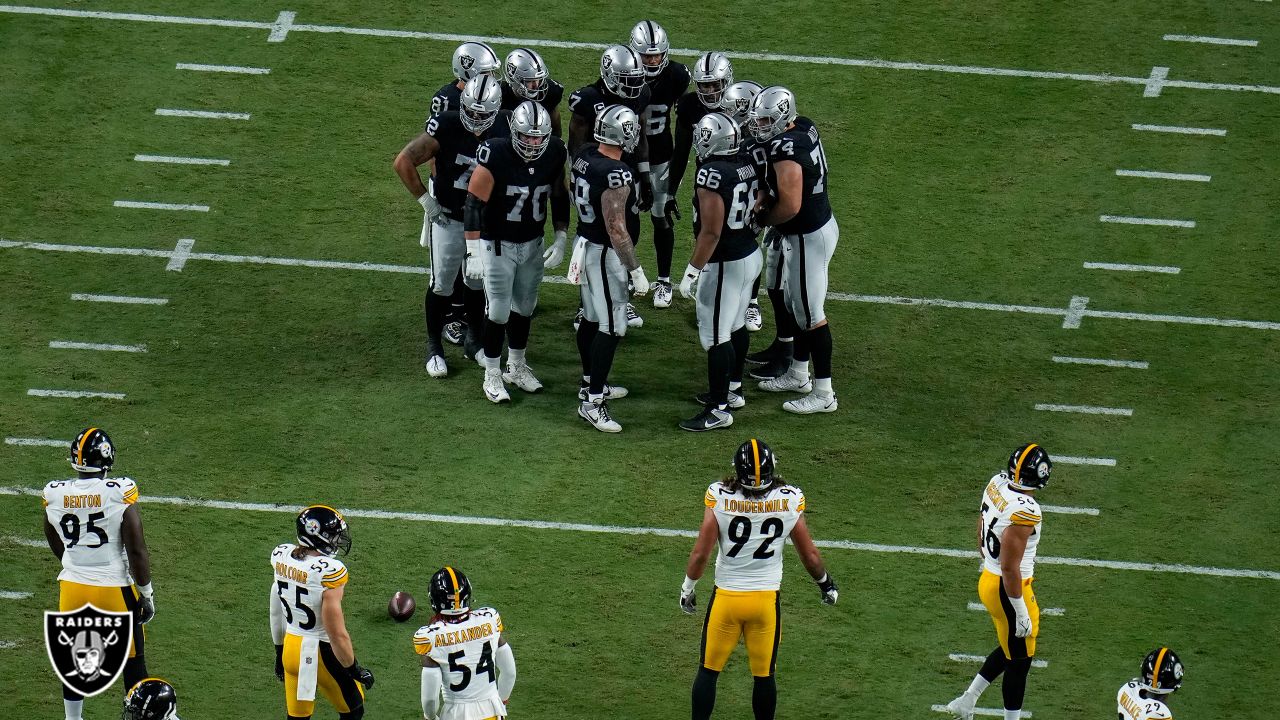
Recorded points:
(530,131)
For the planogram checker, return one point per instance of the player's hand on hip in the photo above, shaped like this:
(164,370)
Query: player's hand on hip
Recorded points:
(430,207)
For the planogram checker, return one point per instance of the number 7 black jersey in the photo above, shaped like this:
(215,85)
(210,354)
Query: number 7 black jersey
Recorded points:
(593,173)
(517,208)
(456,158)
(735,180)
(802,145)
(753,531)
(591,100)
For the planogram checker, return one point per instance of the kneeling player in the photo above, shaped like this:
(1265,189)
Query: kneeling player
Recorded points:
(725,264)
(1147,697)
(464,653)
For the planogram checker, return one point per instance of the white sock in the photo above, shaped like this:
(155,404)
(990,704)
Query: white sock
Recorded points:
(800,368)
(823,385)
(595,399)
(491,363)
(515,357)
(73,709)
(664,279)
(1012,714)
(977,686)
(586,380)
(734,386)
(754,303)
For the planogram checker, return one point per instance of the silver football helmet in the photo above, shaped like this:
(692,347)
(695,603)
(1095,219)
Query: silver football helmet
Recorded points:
(737,100)
(716,134)
(618,125)
(479,104)
(622,71)
(527,75)
(771,112)
(472,59)
(649,39)
(712,74)
(530,130)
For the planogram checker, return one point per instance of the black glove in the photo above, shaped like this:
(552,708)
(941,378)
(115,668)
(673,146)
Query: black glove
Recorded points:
(830,593)
(280,663)
(360,674)
(646,193)
(672,210)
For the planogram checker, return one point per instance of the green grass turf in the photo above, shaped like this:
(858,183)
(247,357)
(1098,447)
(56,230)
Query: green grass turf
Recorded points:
(292,385)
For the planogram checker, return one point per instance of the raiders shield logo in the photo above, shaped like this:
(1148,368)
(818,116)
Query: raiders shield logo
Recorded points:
(704,135)
(88,647)
(466,61)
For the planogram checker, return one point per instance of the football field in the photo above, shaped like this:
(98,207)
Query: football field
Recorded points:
(1058,224)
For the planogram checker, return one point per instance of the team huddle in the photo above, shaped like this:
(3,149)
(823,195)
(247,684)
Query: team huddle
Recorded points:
(498,162)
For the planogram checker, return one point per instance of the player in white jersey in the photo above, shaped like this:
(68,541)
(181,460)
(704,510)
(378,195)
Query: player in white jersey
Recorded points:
(1009,530)
(92,524)
(465,654)
(313,650)
(750,515)
(1147,697)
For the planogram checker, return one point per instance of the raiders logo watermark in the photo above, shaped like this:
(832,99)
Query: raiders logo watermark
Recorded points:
(88,647)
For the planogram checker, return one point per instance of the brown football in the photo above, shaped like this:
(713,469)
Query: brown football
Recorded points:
(401,606)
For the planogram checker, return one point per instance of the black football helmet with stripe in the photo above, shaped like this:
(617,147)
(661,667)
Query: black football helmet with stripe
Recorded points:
(92,451)
(755,465)
(1161,671)
(324,529)
(450,592)
(1029,467)
(150,699)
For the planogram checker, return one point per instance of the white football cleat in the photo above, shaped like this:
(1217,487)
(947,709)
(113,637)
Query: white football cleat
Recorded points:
(962,707)
(436,366)
(598,415)
(814,402)
(522,377)
(661,290)
(633,317)
(493,387)
(787,382)
(754,319)
(611,392)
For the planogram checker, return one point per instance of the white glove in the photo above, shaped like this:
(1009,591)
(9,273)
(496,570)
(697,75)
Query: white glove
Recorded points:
(554,255)
(691,274)
(430,206)
(475,261)
(688,599)
(1022,623)
(147,603)
(639,283)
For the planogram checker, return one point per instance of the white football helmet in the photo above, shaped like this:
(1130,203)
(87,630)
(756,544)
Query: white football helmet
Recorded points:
(771,112)
(716,134)
(737,100)
(478,107)
(712,73)
(622,71)
(618,125)
(530,130)
(648,39)
(472,59)
(527,75)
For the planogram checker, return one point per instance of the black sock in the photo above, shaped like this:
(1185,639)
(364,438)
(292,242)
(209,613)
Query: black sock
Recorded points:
(1015,683)
(820,347)
(993,665)
(456,311)
(704,693)
(741,341)
(603,347)
(435,306)
(587,332)
(755,287)
(719,362)
(784,324)
(764,698)
(802,347)
(135,668)
(664,244)
(518,331)
(474,304)
(492,338)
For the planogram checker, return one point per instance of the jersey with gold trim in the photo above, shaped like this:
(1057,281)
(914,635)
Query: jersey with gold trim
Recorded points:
(1130,705)
(465,651)
(300,582)
(1003,506)
(88,513)
(753,531)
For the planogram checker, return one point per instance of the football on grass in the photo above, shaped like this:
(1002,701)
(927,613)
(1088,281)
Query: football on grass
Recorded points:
(401,606)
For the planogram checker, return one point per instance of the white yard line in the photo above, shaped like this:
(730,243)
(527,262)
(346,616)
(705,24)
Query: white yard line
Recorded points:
(1069,510)
(37,442)
(1085,409)
(159,206)
(234,69)
(961,657)
(1073,460)
(181,253)
(179,160)
(70,345)
(14,595)
(8,644)
(1066,313)
(1076,310)
(119,299)
(1157,175)
(1211,40)
(207,114)
(1126,220)
(1126,267)
(1052,611)
(283,26)
(1133,364)
(967,555)
(24,542)
(74,394)
(992,712)
(1155,82)
(1179,130)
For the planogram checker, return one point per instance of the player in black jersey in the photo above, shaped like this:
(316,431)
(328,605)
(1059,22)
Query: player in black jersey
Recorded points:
(451,139)
(802,215)
(528,78)
(606,192)
(667,82)
(726,261)
(712,75)
(505,214)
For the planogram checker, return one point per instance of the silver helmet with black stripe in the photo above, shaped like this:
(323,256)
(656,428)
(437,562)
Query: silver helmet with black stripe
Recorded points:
(530,130)
(618,125)
(478,107)
(650,40)
(712,74)
(527,74)
(622,71)
(473,59)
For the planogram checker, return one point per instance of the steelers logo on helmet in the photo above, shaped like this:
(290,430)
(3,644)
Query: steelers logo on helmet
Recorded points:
(1029,468)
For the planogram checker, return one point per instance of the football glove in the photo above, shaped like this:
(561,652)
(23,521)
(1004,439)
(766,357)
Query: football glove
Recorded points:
(639,283)
(361,674)
(146,603)
(691,274)
(688,597)
(672,210)
(830,593)
(772,236)
(554,255)
(430,207)
(646,193)
(475,261)
(1022,621)
(280,663)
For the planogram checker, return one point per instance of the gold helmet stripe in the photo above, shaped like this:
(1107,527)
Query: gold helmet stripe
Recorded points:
(457,589)
(334,510)
(1017,468)
(1155,671)
(80,450)
(755,455)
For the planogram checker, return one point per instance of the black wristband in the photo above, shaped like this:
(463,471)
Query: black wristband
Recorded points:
(473,214)
(825,583)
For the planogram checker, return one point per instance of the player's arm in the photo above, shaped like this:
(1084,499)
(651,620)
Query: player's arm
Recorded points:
(52,537)
(614,203)
(135,547)
(275,613)
(579,128)
(419,151)
(680,156)
(555,121)
(981,534)
(432,682)
(560,202)
(339,639)
(506,661)
(1013,543)
(479,190)
(790,180)
(812,561)
(711,217)
(708,534)
(643,172)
